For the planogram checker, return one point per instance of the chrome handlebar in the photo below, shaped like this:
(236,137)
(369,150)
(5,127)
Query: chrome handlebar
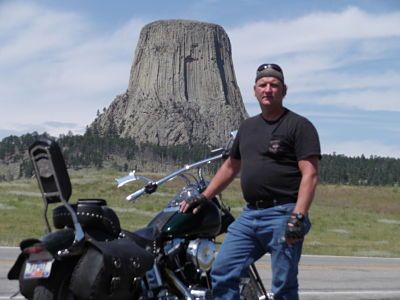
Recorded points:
(151,186)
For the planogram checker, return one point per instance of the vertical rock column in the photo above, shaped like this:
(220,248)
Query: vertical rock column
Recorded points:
(182,87)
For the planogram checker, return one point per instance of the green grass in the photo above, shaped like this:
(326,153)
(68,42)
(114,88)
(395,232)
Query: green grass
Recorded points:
(360,221)
(347,220)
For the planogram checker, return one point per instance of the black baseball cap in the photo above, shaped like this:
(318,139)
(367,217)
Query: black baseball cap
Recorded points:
(270,70)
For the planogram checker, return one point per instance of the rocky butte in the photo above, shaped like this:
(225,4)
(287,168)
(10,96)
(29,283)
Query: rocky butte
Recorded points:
(182,87)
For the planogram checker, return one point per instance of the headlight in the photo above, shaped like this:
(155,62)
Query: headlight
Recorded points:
(202,253)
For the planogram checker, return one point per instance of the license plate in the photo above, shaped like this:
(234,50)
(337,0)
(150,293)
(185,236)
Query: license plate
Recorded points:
(38,269)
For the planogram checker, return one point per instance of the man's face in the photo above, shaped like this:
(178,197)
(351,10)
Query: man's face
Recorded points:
(269,92)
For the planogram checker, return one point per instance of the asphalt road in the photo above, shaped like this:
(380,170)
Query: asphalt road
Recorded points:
(321,277)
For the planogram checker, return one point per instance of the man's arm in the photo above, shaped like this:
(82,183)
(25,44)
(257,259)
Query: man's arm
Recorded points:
(224,176)
(308,184)
(309,180)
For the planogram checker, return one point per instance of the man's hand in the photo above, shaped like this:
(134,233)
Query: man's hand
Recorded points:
(194,204)
(294,229)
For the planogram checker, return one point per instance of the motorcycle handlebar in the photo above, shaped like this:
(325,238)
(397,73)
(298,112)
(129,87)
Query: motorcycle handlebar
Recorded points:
(151,187)
(135,195)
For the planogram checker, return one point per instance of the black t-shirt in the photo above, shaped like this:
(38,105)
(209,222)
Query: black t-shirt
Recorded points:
(269,154)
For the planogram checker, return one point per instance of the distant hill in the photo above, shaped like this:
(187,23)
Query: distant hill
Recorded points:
(92,150)
(111,151)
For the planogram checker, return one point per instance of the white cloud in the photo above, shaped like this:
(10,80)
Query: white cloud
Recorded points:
(321,52)
(368,99)
(368,91)
(32,32)
(341,80)
(314,32)
(55,67)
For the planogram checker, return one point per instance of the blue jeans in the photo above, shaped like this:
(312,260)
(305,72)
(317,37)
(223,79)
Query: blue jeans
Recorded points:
(254,233)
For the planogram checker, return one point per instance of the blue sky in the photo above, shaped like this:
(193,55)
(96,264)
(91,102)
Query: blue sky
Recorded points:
(61,61)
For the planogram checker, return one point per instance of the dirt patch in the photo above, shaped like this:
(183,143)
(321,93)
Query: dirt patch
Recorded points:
(341,231)
(21,193)
(389,221)
(5,206)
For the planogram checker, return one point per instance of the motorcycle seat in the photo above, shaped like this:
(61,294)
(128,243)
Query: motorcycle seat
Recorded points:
(95,217)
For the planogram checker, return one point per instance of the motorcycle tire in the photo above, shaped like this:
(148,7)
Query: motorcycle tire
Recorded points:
(54,288)
(26,287)
(251,290)
(42,292)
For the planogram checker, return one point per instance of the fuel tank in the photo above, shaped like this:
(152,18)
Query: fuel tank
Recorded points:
(205,223)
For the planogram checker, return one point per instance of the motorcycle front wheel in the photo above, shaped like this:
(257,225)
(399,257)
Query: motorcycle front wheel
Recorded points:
(251,287)
(249,290)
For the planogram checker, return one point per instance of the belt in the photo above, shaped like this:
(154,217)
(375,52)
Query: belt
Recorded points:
(261,204)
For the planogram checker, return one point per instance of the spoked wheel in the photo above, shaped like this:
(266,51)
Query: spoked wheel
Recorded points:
(252,287)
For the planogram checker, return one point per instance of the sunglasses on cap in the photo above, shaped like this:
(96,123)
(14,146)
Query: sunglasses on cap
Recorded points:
(269,66)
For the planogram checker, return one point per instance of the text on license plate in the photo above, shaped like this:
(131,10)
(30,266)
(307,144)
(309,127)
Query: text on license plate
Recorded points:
(38,269)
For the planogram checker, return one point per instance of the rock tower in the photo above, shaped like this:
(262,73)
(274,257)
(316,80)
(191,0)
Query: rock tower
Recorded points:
(182,87)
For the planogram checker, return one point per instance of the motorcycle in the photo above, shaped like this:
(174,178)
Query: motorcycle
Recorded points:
(89,256)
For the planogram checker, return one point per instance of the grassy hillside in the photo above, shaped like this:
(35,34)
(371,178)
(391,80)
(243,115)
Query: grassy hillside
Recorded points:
(347,220)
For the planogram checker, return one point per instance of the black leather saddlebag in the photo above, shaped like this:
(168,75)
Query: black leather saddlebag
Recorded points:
(108,270)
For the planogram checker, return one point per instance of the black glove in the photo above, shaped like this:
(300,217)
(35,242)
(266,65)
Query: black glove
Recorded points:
(295,227)
(196,203)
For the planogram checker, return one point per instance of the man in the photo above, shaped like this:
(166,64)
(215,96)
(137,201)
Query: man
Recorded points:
(277,153)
